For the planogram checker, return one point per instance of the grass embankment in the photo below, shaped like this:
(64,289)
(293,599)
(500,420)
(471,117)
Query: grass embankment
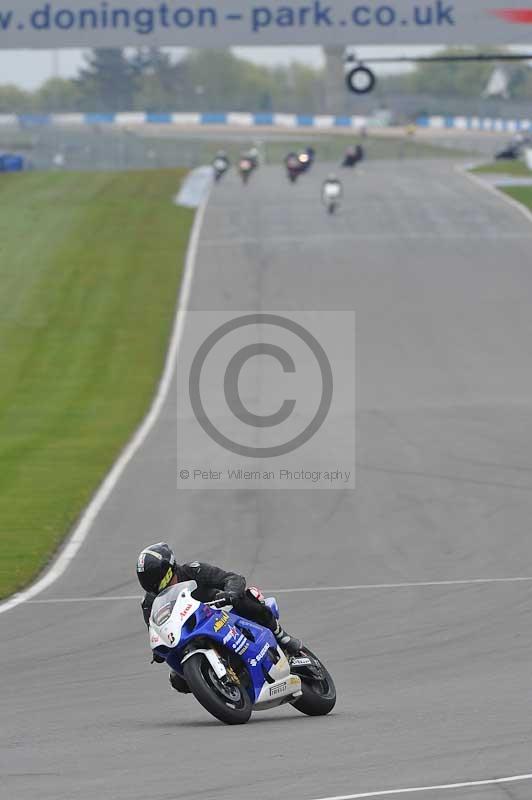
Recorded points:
(89,268)
(523,194)
(505,168)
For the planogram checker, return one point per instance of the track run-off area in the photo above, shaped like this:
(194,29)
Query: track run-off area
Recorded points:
(416,588)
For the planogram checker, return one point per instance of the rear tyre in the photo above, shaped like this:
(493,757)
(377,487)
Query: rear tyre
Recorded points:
(228,702)
(319,694)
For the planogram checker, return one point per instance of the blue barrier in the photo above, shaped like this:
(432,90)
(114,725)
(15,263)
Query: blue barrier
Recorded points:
(33,120)
(263,118)
(470,123)
(100,118)
(213,117)
(343,122)
(467,123)
(158,117)
(11,163)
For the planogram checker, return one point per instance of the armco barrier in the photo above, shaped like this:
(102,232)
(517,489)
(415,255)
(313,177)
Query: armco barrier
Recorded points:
(487,124)
(264,118)
(235,118)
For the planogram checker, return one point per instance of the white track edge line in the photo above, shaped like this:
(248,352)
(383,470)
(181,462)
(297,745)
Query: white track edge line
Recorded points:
(403,585)
(80,532)
(488,187)
(294,590)
(441,787)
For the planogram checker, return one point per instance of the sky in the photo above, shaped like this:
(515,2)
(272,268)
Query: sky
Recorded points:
(30,68)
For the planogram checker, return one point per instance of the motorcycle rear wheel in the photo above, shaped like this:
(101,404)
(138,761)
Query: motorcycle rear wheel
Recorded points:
(228,702)
(319,696)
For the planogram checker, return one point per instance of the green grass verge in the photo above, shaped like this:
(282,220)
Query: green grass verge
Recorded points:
(89,267)
(505,168)
(523,194)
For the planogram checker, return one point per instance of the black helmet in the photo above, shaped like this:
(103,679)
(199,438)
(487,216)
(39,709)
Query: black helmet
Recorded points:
(156,566)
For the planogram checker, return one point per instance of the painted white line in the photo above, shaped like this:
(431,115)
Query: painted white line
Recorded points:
(80,532)
(373,237)
(350,588)
(441,787)
(403,585)
(493,190)
(87,599)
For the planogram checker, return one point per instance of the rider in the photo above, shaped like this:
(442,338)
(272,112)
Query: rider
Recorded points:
(331,180)
(253,155)
(157,569)
(221,155)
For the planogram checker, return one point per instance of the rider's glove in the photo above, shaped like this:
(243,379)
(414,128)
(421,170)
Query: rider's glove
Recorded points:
(222,598)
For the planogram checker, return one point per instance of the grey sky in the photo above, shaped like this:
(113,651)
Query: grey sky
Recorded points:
(30,68)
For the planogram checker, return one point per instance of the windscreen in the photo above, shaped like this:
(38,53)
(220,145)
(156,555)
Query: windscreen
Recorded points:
(164,603)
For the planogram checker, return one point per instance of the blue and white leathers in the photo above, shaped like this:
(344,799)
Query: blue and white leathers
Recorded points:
(181,626)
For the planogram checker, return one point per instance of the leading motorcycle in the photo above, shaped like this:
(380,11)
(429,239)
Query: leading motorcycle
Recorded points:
(234,666)
(331,195)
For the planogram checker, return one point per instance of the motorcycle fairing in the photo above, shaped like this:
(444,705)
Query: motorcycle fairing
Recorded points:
(177,620)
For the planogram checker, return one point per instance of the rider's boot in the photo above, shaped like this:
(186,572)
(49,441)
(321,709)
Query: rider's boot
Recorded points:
(289,644)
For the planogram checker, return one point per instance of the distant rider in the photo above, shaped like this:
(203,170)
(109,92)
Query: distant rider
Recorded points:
(157,569)
(353,155)
(221,162)
(334,183)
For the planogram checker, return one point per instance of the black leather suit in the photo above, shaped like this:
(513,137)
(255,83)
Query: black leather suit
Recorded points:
(210,580)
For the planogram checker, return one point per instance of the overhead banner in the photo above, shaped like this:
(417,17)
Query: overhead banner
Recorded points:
(220,23)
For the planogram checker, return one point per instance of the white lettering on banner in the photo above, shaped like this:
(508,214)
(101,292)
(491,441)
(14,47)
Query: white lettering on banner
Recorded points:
(220,23)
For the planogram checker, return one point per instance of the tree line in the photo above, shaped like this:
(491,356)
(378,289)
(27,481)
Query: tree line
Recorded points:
(217,80)
(148,80)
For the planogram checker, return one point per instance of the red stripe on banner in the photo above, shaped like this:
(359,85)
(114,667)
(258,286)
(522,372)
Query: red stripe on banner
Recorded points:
(520,16)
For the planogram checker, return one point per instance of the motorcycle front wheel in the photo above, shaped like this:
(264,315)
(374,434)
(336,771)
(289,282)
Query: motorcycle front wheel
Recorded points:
(228,702)
(319,691)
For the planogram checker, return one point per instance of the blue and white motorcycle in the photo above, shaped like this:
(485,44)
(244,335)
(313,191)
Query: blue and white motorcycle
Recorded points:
(232,665)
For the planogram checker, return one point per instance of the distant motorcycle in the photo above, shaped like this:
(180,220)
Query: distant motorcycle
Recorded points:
(231,665)
(513,149)
(352,156)
(306,159)
(293,167)
(331,194)
(220,166)
(245,167)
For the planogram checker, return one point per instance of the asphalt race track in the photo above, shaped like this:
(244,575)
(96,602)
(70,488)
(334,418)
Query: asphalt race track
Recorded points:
(433,680)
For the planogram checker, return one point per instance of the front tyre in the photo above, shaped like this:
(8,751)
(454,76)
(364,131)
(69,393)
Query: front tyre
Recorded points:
(319,692)
(228,702)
